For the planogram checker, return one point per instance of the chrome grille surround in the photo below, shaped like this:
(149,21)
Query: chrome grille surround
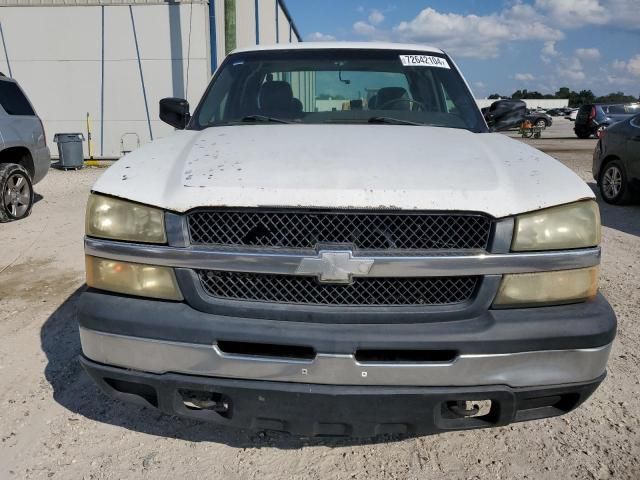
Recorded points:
(363,291)
(367,230)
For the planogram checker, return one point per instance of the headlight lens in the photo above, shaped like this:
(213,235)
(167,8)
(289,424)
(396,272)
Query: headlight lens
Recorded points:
(117,219)
(132,278)
(532,289)
(576,225)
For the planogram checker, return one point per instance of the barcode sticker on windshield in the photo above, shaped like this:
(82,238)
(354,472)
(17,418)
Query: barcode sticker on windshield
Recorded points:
(423,61)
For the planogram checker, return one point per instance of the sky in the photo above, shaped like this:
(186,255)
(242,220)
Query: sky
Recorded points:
(500,45)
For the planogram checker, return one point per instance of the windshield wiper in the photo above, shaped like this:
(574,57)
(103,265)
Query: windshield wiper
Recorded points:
(262,118)
(392,121)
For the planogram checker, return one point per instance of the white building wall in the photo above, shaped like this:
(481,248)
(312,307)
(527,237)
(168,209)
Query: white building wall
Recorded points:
(283,27)
(245,23)
(267,22)
(55,52)
(60,66)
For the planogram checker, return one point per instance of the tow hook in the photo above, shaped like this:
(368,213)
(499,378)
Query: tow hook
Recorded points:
(469,408)
(206,401)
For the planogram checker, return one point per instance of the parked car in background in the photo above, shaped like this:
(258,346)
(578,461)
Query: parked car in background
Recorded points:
(555,112)
(592,119)
(616,162)
(505,114)
(539,118)
(24,155)
(571,114)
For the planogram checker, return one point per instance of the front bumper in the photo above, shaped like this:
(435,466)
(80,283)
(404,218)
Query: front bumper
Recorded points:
(329,410)
(531,363)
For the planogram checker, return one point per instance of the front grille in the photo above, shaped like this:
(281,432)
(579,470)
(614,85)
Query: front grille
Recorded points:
(365,230)
(258,287)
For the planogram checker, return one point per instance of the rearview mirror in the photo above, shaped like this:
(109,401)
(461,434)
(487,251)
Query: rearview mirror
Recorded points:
(175,112)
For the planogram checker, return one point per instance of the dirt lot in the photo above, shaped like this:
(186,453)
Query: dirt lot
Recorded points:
(55,424)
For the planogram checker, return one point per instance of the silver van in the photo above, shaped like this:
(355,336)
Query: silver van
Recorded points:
(24,155)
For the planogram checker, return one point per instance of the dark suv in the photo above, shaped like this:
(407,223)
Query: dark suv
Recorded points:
(593,119)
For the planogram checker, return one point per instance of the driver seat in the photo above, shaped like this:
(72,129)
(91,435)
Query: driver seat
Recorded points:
(392,98)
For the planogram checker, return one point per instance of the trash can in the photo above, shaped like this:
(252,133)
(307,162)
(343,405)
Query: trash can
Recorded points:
(70,149)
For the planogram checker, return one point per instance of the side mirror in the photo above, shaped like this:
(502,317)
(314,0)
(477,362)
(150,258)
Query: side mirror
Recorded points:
(175,112)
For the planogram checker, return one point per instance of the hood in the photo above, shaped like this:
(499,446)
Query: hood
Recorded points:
(343,166)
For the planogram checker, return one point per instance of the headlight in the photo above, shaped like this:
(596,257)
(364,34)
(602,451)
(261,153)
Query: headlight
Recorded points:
(132,278)
(576,225)
(547,288)
(117,219)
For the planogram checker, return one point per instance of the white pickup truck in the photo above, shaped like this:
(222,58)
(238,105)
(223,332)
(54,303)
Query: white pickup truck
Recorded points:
(334,243)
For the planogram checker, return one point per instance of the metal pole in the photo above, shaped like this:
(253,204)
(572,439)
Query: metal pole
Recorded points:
(257,15)
(277,22)
(102,90)
(6,55)
(213,44)
(144,91)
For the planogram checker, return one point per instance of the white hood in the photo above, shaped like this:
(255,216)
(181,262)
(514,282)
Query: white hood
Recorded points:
(343,166)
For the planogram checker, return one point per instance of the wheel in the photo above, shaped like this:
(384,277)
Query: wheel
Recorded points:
(527,132)
(16,192)
(582,134)
(613,184)
(541,122)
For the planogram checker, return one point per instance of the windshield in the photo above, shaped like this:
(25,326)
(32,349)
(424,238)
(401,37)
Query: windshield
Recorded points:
(338,86)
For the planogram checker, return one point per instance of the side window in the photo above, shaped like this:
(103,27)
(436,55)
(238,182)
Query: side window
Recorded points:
(13,100)
(616,109)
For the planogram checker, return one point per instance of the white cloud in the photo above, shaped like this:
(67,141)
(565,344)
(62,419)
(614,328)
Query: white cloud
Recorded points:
(363,28)
(479,84)
(624,13)
(579,13)
(570,68)
(573,13)
(475,35)
(376,17)
(588,53)
(621,81)
(633,65)
(549,49)
(628,69)
(619,64)
(319,37)
(524,77)
(573,75)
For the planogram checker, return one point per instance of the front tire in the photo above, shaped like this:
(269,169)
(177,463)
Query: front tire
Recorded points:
(16,192)
(582,134)
(613,184)
(541,123)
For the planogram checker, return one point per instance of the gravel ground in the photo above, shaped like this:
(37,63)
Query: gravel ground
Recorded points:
(55,424)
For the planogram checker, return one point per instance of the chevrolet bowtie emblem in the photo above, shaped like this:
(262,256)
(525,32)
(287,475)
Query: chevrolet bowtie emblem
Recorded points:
(335,267)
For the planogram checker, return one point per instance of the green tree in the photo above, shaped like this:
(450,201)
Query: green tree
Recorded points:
(616,97)
(584,96)
(563,92)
